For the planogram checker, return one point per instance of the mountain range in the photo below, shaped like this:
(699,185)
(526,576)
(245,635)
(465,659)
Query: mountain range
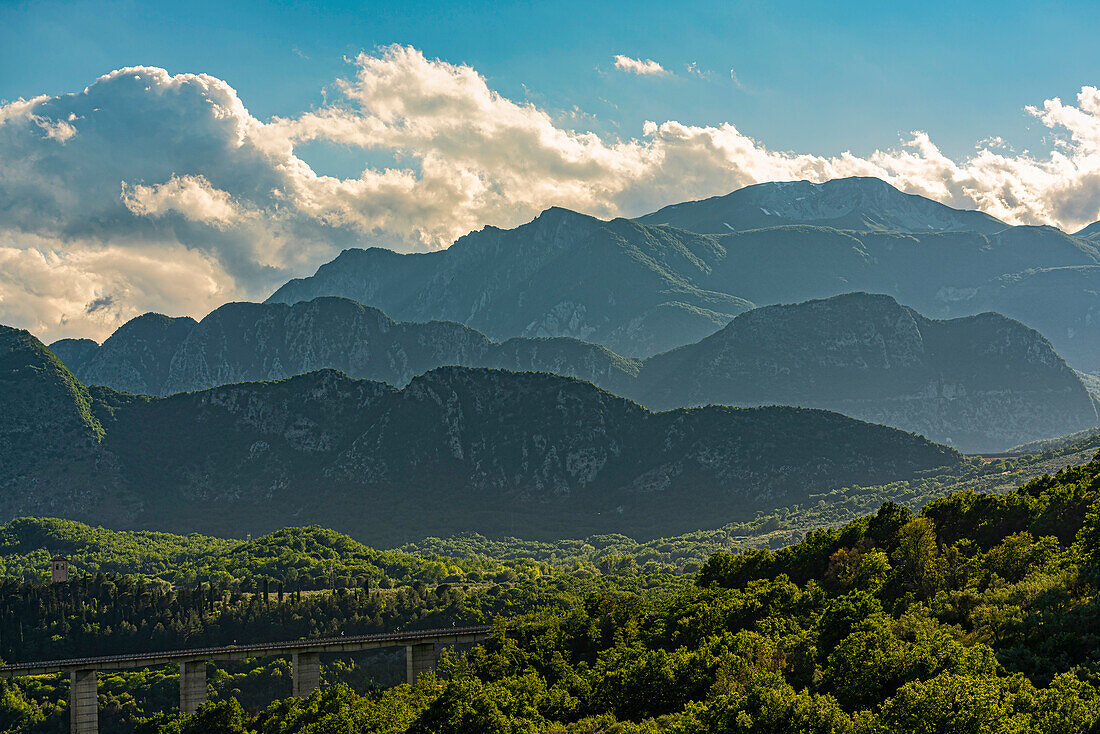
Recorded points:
(981,383)
(456,449)
(857,203)
(642,287)
(242,342)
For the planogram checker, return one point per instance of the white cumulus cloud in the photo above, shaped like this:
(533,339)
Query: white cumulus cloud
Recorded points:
(191,196)
(153,191)
(641,67)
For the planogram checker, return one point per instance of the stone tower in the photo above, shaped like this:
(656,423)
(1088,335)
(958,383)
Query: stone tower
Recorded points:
(59,569)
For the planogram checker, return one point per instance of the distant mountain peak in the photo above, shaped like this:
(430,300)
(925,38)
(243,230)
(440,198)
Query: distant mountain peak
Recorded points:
(557,216)
(858,203)
(1090,232)
(562,213)
(643,286)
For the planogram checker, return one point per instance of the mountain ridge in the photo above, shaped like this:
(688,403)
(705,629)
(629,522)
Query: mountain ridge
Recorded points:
(998,384)
(1090,232)
(243,342)
(641,289)
(856,203)
(976,382)
(456,449)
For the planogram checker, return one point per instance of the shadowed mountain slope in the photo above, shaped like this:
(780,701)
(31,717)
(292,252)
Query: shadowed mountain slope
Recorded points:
(75,353)
(245,342)
(980,383)
(457,449)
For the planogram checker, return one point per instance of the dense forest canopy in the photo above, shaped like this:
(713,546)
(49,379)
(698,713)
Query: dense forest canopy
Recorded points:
(972,615)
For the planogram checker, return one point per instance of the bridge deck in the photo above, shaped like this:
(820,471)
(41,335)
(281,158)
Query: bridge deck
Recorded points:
(446,636)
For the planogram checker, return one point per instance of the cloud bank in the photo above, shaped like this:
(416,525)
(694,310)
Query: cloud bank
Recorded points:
(151,191)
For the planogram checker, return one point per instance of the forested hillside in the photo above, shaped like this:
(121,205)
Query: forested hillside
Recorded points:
(969,616)
(966,617)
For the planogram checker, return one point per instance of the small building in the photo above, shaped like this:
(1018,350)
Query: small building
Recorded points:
(59,569)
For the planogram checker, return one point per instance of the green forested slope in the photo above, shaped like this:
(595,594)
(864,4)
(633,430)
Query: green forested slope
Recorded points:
(975,615)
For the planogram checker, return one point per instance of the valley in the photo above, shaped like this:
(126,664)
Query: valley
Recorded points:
(549,368)
(661,504)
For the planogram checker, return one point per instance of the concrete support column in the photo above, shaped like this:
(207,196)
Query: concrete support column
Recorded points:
(83,702)
(192,685)
(418,659)
(306,667)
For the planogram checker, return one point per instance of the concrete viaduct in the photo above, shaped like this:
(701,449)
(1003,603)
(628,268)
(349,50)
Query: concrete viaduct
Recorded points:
(421,652)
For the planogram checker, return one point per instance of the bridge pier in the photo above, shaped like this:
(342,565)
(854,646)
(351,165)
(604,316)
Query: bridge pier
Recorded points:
(83,702)
(306,668)
(421,655)
(192,685)
(418,659)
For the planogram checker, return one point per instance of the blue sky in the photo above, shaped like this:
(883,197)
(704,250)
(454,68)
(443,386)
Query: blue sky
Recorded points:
(257,140)
(824,77)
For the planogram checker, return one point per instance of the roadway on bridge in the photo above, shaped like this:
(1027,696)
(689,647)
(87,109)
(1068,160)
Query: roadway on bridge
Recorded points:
(446,635)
